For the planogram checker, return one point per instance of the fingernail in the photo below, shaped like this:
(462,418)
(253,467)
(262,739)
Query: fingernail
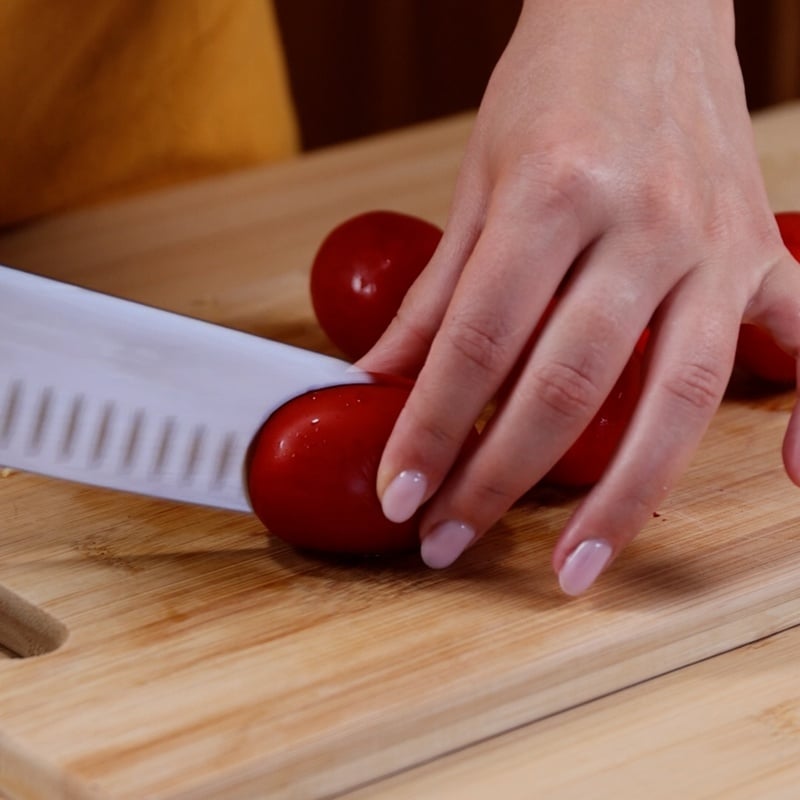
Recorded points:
(583,565)
(403,496)
(445,543)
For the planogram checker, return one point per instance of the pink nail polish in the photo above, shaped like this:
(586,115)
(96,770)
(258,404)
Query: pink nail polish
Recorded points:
(583,565)
(403,495)
(445,543)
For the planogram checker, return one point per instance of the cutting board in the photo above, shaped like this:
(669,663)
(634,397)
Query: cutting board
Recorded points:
(726,728)
(180,652)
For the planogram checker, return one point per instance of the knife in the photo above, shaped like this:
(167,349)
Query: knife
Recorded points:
(113,393)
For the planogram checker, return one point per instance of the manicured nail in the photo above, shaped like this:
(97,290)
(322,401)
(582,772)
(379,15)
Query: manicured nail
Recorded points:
(403,496)
(583,565)
(445,543)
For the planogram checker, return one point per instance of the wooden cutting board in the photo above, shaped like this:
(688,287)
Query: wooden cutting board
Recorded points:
(726,728)
(185,654)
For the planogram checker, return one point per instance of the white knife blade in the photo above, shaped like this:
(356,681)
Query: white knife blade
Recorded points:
(112,393)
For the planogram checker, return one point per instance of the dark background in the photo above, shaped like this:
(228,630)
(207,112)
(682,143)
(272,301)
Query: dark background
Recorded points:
(363,66)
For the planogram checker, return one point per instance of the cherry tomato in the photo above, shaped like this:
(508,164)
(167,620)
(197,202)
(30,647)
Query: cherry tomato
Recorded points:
(313,466)
(789,226)
(586,461)
(756,352)
(362,271)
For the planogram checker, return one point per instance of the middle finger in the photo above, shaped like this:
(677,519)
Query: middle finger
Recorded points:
(574,363)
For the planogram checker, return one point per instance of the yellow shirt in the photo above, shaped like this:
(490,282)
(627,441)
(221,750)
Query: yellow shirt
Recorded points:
(101,98)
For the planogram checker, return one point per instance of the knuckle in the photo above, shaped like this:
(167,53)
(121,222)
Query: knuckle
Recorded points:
(412,327)
(432,433)
(481,343)
(494,496)
(567,390)
(697,385)
(492,493)
(562,174)
(666,201)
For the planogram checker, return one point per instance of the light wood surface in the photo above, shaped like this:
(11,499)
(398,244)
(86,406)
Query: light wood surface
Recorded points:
(727,728)
(196,658)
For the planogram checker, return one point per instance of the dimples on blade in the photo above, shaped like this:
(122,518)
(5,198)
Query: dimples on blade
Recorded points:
(120,444)
(116,394)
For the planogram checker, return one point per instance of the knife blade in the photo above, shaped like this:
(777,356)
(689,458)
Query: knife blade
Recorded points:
(113,393)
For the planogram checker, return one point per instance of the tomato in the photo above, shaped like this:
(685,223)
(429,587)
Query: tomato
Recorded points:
(586,461)
(756,352)
(789,226)
(362,271)
(313,466)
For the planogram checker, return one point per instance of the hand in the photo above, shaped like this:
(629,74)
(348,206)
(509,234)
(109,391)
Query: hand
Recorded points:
(612,156)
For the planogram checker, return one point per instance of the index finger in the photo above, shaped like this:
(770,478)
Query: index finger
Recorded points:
(509,279)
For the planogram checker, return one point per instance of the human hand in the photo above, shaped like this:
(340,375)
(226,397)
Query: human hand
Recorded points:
(612,159)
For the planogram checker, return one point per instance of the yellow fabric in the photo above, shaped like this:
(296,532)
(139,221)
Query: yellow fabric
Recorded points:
(101,98)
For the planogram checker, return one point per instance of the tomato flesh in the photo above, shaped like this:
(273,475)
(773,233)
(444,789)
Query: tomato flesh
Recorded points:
(313,468)
(361,272)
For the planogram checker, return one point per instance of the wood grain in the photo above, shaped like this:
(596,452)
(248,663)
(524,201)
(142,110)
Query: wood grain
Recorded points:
(206,660)
(728,727)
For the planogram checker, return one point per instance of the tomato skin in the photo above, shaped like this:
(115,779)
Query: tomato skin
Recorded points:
(586,461)
(756,351)
(313,466)
(362,271)
(789,226)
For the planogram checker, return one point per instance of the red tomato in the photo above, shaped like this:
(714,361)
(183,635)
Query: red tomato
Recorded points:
(586,461)
(789,226)
(313,467)
(756,352)
(362,271)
